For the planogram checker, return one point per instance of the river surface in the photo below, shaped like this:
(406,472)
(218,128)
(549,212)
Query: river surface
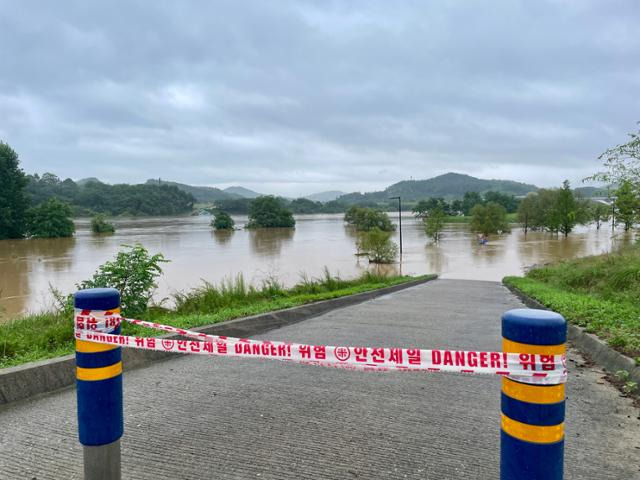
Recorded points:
(196,253)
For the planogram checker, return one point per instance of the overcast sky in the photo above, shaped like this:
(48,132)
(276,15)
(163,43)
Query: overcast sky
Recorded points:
(296,97)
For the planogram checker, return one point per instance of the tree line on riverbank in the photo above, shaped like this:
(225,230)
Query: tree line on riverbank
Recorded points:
(42,206)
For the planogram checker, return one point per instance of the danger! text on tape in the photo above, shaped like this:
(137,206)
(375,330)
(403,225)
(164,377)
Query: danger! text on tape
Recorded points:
(96,326)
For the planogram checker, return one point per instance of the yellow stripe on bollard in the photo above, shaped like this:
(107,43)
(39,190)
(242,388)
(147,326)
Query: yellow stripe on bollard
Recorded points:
(103,373)
(533,393)
(91,347)
(532,433)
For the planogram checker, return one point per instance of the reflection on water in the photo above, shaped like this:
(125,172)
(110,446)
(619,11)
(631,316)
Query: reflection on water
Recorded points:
(196,252)
(20,260)
(268,242)
(222,237)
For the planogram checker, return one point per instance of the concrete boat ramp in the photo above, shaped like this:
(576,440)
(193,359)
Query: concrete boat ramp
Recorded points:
(225,418)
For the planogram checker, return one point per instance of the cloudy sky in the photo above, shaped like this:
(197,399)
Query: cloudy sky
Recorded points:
(296,97)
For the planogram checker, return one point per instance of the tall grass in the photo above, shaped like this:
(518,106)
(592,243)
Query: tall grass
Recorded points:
(601,293)
(612,276)
(234,291)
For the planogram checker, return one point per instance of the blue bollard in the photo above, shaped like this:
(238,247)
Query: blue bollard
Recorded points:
(99,392)
(532,433)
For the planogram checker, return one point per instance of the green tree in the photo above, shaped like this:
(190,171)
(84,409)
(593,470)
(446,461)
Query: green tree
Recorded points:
(627,205)
(238,206)
(133,273)
(600,213)
(269,212)
(378,246)
(509,202)
(334,206)
(423,207)
(621,163)
(527,212)
(50,220)
(456,207)
(222,221)
(365,219)
(304,205)
(13,200)
(567,208)
(470,200)
(99,224)
(434,223)
(489,218)
(547,216)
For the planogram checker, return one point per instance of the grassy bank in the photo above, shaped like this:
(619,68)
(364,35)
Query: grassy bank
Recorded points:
(48,335)
(601,293)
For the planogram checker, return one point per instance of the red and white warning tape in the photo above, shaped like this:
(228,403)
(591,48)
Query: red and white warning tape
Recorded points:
(96,326)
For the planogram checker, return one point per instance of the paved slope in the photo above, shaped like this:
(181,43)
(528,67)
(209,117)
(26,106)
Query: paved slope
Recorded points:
(197,417)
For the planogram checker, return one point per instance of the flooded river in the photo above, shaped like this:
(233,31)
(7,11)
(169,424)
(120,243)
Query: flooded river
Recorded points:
(28,267)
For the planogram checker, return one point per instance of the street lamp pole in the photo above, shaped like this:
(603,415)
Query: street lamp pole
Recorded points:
(399,219)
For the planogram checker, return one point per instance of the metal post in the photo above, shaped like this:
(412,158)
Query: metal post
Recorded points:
(99,391)
(532,434)
(400,222)
(399,219)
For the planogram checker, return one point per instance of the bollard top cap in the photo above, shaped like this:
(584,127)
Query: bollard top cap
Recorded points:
(534,327)
(97,299)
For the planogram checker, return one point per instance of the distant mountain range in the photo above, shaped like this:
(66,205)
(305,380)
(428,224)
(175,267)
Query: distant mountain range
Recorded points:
(325,196)
(449,186)
(201,194)
(243,192)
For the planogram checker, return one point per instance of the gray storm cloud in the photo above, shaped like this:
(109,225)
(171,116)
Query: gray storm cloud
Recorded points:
(294,97)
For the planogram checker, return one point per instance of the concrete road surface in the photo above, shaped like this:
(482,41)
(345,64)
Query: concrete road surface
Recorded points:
(199,417)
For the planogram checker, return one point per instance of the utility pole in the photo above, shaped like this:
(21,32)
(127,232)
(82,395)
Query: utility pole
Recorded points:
(399,219)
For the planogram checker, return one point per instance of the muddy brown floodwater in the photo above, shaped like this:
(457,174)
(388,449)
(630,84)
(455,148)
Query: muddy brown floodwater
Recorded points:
(28,267)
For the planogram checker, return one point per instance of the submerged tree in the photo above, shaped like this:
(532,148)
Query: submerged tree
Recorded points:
(568,209)
(365,219)
(433,223)
(222,221)
(99,224)
(489,218)
(378,246)
(600,213)
(527,212)
(269,212)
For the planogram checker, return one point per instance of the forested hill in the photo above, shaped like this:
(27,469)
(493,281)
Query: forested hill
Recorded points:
(449,186)
(242,192)
(201,194)
(93,196)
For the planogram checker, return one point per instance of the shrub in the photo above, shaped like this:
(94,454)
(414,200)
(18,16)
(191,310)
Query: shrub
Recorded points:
(222,221)
(99,224)
(133,273)
(378,245)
